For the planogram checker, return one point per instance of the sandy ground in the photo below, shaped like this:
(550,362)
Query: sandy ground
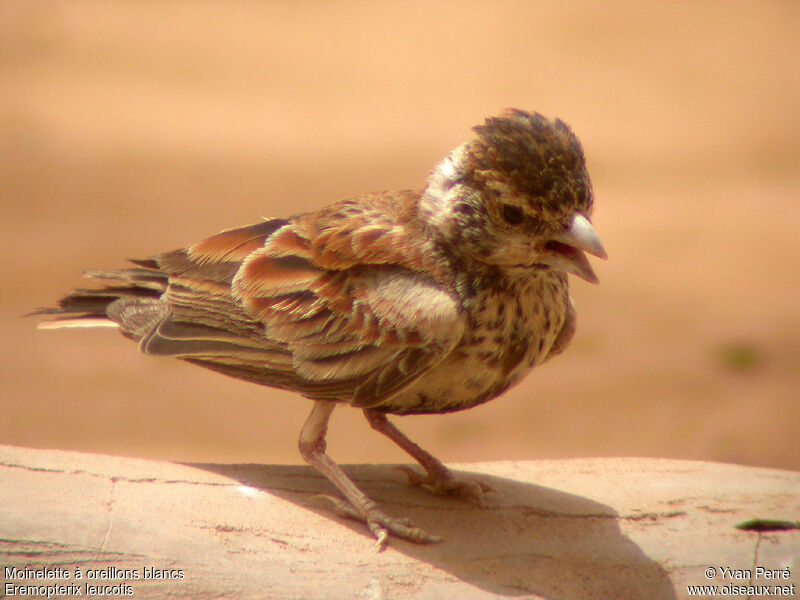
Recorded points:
(128,128)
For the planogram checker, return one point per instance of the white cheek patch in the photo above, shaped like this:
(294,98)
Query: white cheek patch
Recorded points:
(437,199)
(448,171)
(447,168)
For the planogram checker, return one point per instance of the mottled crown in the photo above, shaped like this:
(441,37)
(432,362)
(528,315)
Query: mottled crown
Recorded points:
(535,163)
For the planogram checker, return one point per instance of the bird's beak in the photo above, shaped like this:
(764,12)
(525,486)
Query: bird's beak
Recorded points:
(565,250)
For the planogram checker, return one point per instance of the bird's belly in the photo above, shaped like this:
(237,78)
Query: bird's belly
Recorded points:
(454,385)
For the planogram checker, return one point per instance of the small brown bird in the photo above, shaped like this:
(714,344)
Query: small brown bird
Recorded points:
(408,302)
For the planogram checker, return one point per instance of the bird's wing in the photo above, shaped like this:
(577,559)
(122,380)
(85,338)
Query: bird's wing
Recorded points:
(336,289)
(197,318)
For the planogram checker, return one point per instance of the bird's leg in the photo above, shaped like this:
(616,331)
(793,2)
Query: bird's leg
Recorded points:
(359,506)
(439,479)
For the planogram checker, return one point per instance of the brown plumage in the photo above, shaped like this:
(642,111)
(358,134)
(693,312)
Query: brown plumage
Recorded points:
(403,302)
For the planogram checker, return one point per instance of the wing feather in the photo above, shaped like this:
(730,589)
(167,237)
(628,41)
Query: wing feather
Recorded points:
(359,326)
(202,322)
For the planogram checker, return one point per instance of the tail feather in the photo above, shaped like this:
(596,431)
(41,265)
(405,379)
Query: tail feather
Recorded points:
(65,322)
(150,279)
(140,287)
(147,263)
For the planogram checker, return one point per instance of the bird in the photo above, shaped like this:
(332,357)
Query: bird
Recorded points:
(418,301)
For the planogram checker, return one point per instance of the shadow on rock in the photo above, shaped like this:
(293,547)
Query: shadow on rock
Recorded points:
(527,539)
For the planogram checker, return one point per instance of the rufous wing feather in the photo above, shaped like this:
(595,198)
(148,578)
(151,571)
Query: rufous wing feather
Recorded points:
(352,318)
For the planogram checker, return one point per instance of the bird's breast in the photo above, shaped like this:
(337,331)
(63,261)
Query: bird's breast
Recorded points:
(509,333)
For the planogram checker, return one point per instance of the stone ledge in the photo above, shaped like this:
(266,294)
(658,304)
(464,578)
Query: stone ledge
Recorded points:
(572,529)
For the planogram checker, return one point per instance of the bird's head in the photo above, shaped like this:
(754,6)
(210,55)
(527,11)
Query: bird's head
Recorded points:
(518,196)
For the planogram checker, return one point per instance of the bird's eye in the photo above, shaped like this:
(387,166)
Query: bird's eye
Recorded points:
(512,214)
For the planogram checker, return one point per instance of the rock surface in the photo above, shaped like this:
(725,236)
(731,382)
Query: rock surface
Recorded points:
(571,529)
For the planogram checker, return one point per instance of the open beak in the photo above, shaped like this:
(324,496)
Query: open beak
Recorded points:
(565,250)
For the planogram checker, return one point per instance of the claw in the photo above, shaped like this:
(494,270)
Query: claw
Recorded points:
(379,524)
(308,501)
(380,534)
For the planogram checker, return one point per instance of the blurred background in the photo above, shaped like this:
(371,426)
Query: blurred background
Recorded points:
(130,127)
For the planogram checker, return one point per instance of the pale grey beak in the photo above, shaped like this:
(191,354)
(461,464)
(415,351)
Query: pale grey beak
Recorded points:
(565,250)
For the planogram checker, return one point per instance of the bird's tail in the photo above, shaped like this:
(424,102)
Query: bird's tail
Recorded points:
(136,290)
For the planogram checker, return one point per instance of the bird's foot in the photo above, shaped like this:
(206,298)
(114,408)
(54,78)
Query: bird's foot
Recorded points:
(379,523)
(445,483)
